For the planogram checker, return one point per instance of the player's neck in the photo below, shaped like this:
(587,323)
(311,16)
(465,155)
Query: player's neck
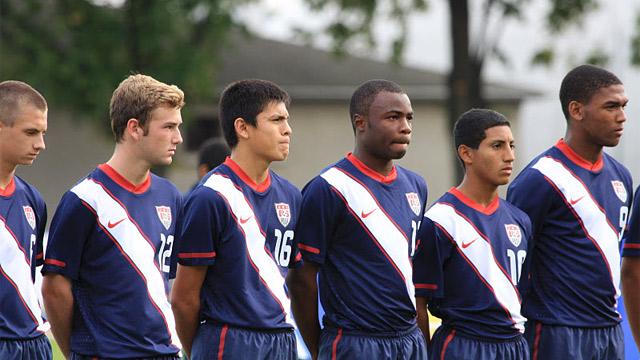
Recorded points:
(584,148)
(478,191)
(381,166)
(7,172)
(255,168)
(131,168)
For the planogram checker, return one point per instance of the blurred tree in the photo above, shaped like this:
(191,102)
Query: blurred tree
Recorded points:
(77,51)
(354,22)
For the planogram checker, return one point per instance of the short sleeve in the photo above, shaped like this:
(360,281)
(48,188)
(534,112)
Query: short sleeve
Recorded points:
(428,262)
(38,253)
(200,226)
(632,233)
(318,214)
(73,222)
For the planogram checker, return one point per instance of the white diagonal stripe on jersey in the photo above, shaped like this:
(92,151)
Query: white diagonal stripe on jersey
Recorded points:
(255,240)
(132,242)
(593,218)
(481,256)
(386,233)
(15,266)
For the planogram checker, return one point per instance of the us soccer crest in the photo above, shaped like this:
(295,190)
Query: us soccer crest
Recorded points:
(30,215)
(164,214)
(514,234)
(619,189)
(284,213)
(414,202)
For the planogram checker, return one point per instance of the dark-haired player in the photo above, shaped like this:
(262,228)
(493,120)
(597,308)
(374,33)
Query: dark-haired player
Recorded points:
(473,245)
(23,215)
(236,237)
(357,229)
(577,198)
(108,259)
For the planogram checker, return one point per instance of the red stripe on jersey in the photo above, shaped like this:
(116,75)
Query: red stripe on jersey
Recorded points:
(334,347)
(372,173)
(426,286)
(486,210)
(308,248)
(262,187)
(9,190)
(223,335)
(447,341)
(196,255)
(632,246)
(55,262)
(577,159)
(19,295)
(536,341)
(39,256)
(123,182)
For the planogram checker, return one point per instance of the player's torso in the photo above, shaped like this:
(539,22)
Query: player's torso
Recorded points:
(485,265)
(19,224)
(253,253)
(368,261)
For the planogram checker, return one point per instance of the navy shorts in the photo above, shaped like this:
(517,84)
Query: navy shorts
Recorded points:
(75,356)
(343,344)
(447,344)
(564,342)
(214,341)
(36,348)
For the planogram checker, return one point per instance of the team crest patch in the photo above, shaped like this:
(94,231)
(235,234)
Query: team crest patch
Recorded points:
(514,234)
(30,215)
(414,202)
(620,190)
(283,212)
(164,214)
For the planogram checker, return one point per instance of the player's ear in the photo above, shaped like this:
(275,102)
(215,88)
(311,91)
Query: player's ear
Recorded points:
(576,110)
(465,153)
(241,127)
(133,129)
(359,122)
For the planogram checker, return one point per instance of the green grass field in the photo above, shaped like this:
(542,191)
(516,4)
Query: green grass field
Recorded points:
(57,355)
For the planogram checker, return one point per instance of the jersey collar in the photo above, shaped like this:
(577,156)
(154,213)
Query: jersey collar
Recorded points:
(372,173)
(264,186)
(123,182)
(577,159)
(10,189)
(486,210)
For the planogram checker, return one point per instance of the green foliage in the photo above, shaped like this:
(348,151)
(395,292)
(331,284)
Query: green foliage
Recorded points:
(77,51)
(566,12)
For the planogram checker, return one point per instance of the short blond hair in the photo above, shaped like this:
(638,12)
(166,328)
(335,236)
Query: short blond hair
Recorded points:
(136,97)
(13,96)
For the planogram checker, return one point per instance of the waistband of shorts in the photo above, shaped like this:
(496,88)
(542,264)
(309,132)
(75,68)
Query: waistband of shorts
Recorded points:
(262,330)
(24,339)
(514,338)
(381,334)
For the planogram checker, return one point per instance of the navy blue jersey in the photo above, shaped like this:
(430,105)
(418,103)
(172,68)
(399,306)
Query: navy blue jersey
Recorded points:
(243,232)
(23,216)
(360,227)
(632,234)
(469,263)
(114,240)
(578,211)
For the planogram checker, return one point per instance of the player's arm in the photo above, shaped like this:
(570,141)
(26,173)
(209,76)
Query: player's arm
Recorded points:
(423,317)
(631,295)
(58,303)
(303,290)
(185,302)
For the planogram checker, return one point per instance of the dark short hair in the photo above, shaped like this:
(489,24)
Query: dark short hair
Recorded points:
(582,82)
(212,153)
(364,95)
(13,96)
(246,99)
(470,128)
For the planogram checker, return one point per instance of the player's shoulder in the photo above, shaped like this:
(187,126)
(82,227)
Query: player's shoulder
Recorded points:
(283,183)
(411,176)
(614,165)
(164,184)
(516,212)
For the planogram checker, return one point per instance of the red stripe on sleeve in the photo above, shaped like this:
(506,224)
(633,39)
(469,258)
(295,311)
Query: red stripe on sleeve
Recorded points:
(55,262)
(426,286)
(308,248)
(196,255)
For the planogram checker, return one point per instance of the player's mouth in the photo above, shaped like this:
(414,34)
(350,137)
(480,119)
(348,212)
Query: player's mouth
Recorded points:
(619,131)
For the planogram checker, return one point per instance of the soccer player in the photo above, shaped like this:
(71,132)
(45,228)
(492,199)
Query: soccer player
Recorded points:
(23,215)
(357,229)
(107,262)
(631,270)
(473,245)
(577,198)
(229,296)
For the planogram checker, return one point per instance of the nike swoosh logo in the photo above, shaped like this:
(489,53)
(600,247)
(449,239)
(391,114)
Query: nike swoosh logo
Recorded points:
(111,225)
(244,221)
(365,214)
(466,245)
(573,202)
